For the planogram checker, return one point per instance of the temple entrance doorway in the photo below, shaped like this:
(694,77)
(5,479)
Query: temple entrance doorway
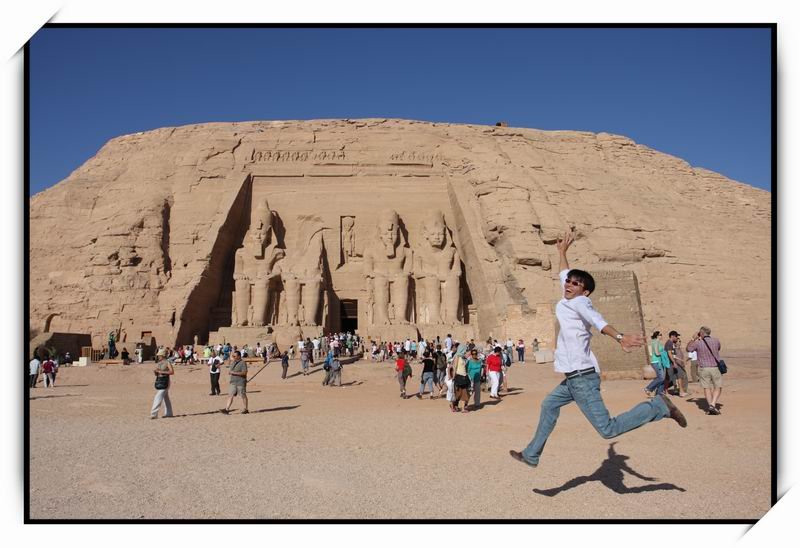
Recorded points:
(348,312)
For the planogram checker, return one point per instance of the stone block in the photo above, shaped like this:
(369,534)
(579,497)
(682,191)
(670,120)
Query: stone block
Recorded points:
(543,356)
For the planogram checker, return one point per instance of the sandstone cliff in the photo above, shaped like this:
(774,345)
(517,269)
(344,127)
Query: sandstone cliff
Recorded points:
(138,239)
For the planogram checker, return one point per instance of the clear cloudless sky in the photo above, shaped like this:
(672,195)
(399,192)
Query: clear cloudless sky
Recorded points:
(702,94)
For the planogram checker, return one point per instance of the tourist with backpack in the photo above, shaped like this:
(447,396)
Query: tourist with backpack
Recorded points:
(404,372)
(428,366)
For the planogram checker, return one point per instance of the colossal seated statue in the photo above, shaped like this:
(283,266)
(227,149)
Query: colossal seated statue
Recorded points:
(303,280)
(438,274)
(387,267)
(256,270)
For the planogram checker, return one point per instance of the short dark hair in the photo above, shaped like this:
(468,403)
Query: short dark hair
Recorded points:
(655,334)
(584,277)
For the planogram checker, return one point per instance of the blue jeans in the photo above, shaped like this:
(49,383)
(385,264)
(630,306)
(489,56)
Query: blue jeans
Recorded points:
(657,384)
(427,380)
(585,391)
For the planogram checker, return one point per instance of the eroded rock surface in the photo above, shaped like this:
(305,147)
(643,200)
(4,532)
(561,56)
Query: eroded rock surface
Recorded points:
(142,238)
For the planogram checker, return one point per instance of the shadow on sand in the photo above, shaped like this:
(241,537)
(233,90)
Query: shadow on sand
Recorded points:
(234,411)
(702,404)
(611,474)
(52,396)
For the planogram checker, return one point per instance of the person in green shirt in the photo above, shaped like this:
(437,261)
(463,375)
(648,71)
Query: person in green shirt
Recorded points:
(474,372)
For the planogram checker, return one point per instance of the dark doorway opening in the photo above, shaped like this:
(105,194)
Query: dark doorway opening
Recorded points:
(349,314)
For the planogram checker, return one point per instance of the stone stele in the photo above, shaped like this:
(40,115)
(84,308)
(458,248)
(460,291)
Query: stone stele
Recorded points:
(254,231)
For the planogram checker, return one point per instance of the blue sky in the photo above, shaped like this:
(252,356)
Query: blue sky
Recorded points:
(703,95)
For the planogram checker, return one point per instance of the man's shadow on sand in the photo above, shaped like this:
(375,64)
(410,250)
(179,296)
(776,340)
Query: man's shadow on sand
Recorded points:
(611,474)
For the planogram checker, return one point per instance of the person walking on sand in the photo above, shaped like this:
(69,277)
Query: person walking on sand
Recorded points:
(403,370)
(214,371)
(237,383)
(475,370)
(461,379)
(163,370)
(494,363)
(658,357)
(284,363)
(575,360)
(677,373)
(521,351)
(47,372)
(708,348)
(451,394)
(428,366)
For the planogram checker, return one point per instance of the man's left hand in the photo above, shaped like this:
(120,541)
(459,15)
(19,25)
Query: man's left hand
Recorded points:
(629,342)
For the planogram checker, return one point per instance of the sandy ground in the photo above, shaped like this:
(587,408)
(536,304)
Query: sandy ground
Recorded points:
(312,452)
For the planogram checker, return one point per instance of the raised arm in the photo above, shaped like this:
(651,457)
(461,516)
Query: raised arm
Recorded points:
(562,245)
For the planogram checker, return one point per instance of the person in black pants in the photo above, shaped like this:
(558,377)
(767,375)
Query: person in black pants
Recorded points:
(214,371)
(284,364)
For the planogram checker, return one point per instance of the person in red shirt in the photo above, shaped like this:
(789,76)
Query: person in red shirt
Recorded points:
(403,372)
(47,371)
(494,363)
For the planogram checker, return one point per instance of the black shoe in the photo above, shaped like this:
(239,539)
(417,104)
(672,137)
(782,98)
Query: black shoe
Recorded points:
(245,412)
(674,413)
(224,411)
(516,455)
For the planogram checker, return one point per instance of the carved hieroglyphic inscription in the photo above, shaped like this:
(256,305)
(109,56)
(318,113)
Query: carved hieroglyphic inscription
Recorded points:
(266,156)
(415,156)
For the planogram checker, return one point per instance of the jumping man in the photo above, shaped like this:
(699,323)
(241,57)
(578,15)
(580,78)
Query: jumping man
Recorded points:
(574,358)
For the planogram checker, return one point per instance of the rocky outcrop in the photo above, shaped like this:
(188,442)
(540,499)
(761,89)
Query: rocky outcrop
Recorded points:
(141,238)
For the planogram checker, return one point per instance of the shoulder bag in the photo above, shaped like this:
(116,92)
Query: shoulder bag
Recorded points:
(721,365)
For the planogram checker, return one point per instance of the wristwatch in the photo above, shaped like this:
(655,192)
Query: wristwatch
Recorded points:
(619,336)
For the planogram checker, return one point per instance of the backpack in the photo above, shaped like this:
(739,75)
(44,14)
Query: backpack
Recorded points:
(441,361)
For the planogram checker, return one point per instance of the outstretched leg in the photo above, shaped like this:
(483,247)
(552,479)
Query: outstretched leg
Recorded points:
(548,416)
(586,392)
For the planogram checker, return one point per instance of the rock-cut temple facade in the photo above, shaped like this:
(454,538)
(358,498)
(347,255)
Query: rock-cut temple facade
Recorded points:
(261,231)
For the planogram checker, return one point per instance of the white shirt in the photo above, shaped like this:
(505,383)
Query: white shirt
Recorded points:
(34,366)
(211,362)
(692,355)
(315,342)
(448,344)
(576,317)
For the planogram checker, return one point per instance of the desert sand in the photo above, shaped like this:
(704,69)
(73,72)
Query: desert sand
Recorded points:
(360,452)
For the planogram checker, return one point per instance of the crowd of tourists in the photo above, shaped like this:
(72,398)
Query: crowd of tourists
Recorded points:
(454,370)
(676,366)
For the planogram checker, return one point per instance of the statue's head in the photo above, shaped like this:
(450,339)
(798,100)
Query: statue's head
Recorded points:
(389,230)
(347,222)
(435,230)
(262,221)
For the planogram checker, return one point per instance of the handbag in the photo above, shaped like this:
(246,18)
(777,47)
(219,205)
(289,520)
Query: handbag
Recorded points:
(162,382)
(461,381)
(721,365)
